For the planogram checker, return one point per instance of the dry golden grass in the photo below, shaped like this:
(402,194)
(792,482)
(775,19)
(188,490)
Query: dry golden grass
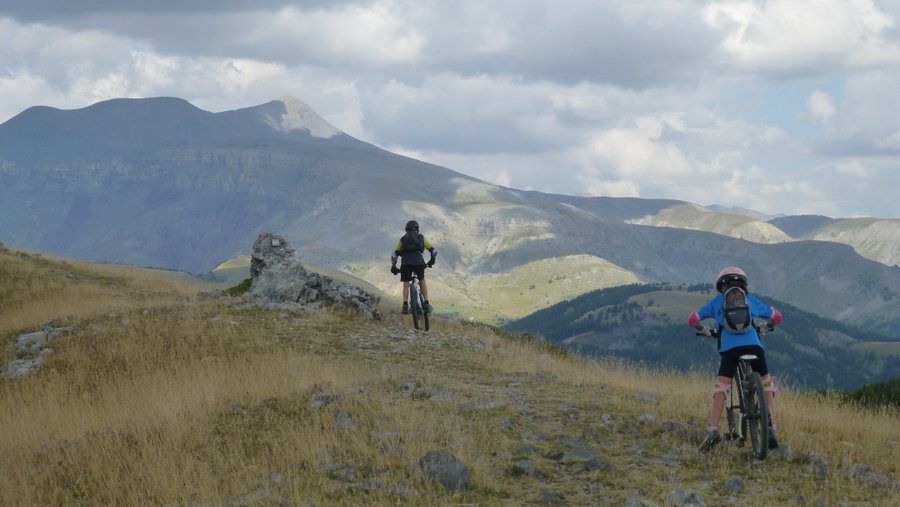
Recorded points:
(206,401)
(37,288)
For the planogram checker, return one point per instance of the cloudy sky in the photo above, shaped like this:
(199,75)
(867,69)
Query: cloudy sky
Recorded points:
(782,106)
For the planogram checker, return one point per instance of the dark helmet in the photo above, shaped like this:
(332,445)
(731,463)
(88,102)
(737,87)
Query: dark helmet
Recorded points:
(730,277)
(412,225)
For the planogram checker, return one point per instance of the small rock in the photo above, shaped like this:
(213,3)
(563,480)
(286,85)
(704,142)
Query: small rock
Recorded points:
(473,406)
(818,464)
(523,467)
(864,474)
(639,502)
(682,498)
(647,419)
(527,449)
(734,484)
(322,399)
(505,423)
(647,397)
(551,498)
(783,452)
(433,393)
(343,421)
(444,468)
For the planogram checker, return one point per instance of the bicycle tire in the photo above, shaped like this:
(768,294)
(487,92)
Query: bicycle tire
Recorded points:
(424,313)
(758,416)
(733,433)
(414,306)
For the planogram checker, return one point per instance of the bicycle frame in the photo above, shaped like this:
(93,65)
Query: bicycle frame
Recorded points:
(752,410)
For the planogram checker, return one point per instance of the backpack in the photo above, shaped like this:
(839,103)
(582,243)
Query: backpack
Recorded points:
(737,311)
(413,242)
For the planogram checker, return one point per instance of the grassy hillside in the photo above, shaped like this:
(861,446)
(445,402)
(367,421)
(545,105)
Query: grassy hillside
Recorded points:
(36,288)
(168,399)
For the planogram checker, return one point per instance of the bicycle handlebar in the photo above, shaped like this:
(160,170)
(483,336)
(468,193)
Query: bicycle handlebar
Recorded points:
(761,325)
(426,267)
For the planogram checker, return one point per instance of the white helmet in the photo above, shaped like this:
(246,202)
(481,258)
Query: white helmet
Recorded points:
(731,275)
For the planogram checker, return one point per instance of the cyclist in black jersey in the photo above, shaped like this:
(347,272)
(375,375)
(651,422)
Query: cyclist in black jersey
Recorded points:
(410,249)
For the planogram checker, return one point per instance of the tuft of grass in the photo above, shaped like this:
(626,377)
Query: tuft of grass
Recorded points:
(239,289)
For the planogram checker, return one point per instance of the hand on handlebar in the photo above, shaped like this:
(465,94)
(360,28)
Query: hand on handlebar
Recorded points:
(764,325)
(704,331)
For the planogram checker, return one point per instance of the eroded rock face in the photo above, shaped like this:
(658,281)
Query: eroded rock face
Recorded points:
(277,277)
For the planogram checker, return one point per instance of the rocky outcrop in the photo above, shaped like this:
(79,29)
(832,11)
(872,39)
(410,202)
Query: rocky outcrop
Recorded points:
(277,277)
(31,349)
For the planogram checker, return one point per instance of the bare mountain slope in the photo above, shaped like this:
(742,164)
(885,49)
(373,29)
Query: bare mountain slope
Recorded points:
(159,182)
(874,238)
(692,216)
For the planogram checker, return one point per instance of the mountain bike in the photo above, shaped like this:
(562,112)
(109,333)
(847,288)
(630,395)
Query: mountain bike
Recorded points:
(745,403)
(417,304)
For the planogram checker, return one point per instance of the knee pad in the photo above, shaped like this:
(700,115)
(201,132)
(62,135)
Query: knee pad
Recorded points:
(769,385)
(720,387)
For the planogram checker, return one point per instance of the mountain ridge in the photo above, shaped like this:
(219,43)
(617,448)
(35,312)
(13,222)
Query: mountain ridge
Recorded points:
(190,201)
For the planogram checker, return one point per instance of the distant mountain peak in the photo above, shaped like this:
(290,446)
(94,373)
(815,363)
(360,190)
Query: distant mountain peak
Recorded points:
(298,115)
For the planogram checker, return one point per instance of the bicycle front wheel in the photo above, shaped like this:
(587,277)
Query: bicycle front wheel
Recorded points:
(424,313)
(758,415)
(415,307)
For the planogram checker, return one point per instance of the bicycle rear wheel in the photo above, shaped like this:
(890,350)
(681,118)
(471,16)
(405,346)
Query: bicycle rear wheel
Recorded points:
(415,307)
(758,416)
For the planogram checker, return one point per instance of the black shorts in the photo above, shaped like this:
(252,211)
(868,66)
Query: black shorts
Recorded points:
(406,272)
(729,360)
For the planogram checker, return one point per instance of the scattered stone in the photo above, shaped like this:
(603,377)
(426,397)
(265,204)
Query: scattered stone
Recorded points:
(433,393)
(343,421)
(647,397)
(388,442)
(783,452)
(474,406)
(444,468)
(524,468)
(639,502)
(322,399)
(682,498)
(551,498)
(818,464)
(734,484)
(507,424)
(861,472)
(578,456)
(677,430)
(527,449)
(647,419)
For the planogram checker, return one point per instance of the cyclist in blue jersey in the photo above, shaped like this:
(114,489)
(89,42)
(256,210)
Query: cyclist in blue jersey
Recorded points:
(410,249)
(734,309)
